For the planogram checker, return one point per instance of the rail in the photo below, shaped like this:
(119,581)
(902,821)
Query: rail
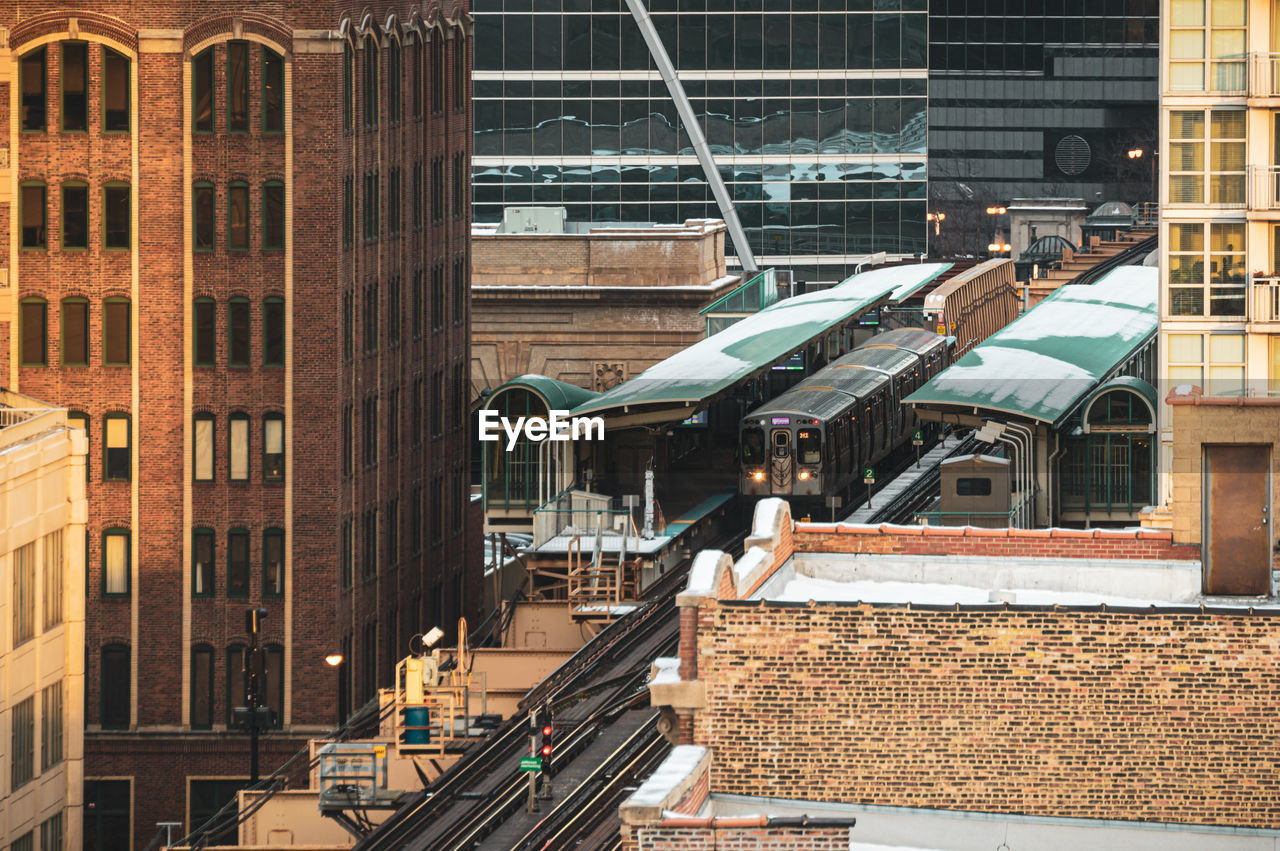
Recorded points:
(1264,299)
(1264,75)
(1128,257)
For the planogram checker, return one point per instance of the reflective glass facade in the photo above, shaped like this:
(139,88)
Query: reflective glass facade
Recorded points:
(815,111)
(1033,98)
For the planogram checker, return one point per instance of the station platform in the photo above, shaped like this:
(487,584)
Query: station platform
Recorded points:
(894,489)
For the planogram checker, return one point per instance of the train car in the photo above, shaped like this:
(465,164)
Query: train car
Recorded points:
(814,440)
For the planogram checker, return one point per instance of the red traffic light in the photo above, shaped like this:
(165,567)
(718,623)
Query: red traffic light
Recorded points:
(546,729)
(546,750)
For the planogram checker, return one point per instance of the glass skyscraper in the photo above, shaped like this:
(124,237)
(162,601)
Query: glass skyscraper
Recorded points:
(815,111)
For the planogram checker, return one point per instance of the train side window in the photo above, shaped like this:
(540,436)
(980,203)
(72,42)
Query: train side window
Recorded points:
(809,443)
(752,445)
(973,487)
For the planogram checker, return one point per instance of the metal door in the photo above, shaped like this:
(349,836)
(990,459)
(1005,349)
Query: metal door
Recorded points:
(780,461)
(1237,520)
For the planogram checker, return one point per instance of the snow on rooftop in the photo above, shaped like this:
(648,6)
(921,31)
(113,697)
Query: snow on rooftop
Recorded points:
(751,561)
(679,764)
(702,573)
(666,670)
(1006,377)
(803,589)
(766,515)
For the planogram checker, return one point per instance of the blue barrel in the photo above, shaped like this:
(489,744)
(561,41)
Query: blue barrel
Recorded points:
(417,718)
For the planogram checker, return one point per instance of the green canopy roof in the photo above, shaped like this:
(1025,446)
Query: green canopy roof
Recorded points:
(558,395)
(1041,365)
(719,362)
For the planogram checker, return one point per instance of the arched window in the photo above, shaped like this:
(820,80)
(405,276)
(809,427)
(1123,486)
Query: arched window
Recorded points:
(238,562)
(273,448)
(204,569)
(32,214)
(439,66)
(116,328)
(115,462)
(371,57)
(205,318)
(201,687)
(272,91)
(238,446)
(273,215)
(115,91)
(75,85)
(33,331)
(75,215)
(114,680)
(273,682)
(33,81)
(204,204)
(273,562)
(348,86)
(460,76)
(273,331)
(238,86)
(236,693)
(415,74)
(238,216)
(238,331)
(394,89)
(204,446)
(116,218)
(202,97)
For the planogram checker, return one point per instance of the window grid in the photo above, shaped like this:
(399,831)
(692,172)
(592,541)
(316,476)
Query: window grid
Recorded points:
(22,744)
(53,576)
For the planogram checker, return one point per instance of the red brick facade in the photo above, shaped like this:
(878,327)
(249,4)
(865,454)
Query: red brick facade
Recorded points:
(1096,714)
(354,338)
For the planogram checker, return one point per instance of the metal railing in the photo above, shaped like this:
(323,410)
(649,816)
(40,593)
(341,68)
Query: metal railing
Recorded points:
(1264,75)
(1264,187)
(15,416)
(1264,300)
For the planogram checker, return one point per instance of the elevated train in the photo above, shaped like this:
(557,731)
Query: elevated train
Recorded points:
(815,440)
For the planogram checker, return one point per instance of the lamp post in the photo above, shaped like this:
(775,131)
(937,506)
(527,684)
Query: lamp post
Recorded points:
(334,660)
(1136,154)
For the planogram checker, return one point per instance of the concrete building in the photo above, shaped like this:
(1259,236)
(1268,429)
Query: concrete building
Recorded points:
(592,307)
(42,535)
(237,249)
(1220,291)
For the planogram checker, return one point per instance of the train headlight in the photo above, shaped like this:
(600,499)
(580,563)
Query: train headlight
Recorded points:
(758,475)
(804,475)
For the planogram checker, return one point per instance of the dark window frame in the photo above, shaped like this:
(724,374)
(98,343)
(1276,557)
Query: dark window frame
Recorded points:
(63,243)
(268,465)
(24,329)
(272,108)
(127,535)
(107,449)
(209,305)
(209,417)
(273,533)
(41,242)
(121,686)
(235,571)
(109,122)
(236,344)
(273,226)
(204,215)
(273,337)
(202,76)
(210,579)
(237,189)
(201,711)
(235,417)
(110,235)
(42,126)
(108,337)
(63,109)
(235,122)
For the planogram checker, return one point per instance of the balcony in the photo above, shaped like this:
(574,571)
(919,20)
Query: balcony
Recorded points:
(1264,76)
(1263,190)
(1264,299)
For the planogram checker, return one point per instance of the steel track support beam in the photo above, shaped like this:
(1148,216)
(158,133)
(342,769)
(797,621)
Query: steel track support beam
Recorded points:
(690,121)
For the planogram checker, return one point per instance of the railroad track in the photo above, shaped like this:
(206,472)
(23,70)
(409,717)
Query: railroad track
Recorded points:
(606,741)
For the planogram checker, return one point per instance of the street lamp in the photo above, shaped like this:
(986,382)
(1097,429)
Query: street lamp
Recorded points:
(937,219)
(334,660)
(999,248)
(997,211)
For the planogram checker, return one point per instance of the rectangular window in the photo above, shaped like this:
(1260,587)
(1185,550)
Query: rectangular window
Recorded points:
(370,566)
(237,563)
(415,520)
(201,687)
(1216,39)
(235,679)
(371,51)
(459,186)
(393,200)
(204,208)
(115,91)
(1226,156)
(238,448)
(273,448)
(461,79)
(208,797)
(273,683)
(417,304)
(202,91)
(348,86)
(348,211)
(116,464)
(436,403)
(115,216)
(415,413)
(438,68)
(437,298)
(417,196)
(203,568)
(206,331)
(370,430)
(273,215)
(75,332)
(273,332)
(238,216)
(1226,268)
(238,86)
(348,325)
(22,751)
(116,333)
(415,76)
(272,92)
(115,562)
(108,815)
(75,216)
(203,444)
(459,403)
(459,291)
(51,726)
(80,420)
(33,331)
(238,332)
(32,72)
(33,215)
(393,310)
(51,835)
(24,594)
(393,82)
(371,318)
(273,563)
(1226,365)
(347,440)
(437,509)
(344,554)
(437,190)
(75,85)
(53,574)
(393,422)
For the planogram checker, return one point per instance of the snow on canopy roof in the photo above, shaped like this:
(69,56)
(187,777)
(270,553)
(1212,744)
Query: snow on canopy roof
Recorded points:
(1043,363)
(557,394)
(755,343)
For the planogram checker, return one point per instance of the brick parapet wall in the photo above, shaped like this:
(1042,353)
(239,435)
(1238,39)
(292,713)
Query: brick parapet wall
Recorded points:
(739,839)
(1116,715)
(1144,544)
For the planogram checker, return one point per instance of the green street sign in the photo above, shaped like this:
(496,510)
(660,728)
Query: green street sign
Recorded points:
(530,763)
(869,475)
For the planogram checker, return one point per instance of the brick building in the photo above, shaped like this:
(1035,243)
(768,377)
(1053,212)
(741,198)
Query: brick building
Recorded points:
(237,251)
(1050,680)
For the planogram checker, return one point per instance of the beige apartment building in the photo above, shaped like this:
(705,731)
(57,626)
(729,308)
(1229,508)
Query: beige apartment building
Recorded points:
(42,539)
(1220,282)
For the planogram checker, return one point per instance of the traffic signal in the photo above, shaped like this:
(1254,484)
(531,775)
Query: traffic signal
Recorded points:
(546,745)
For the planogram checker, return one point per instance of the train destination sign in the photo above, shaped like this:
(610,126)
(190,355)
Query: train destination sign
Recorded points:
(782,421)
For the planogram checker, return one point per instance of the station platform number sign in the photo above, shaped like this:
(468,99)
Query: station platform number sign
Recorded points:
(917,437)
(869,475)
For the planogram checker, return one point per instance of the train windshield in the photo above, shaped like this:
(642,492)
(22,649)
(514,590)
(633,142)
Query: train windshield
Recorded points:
(809,442)
(752,446)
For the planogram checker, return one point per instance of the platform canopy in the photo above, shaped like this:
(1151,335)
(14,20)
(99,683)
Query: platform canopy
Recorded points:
(1041,365)
(688,380)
